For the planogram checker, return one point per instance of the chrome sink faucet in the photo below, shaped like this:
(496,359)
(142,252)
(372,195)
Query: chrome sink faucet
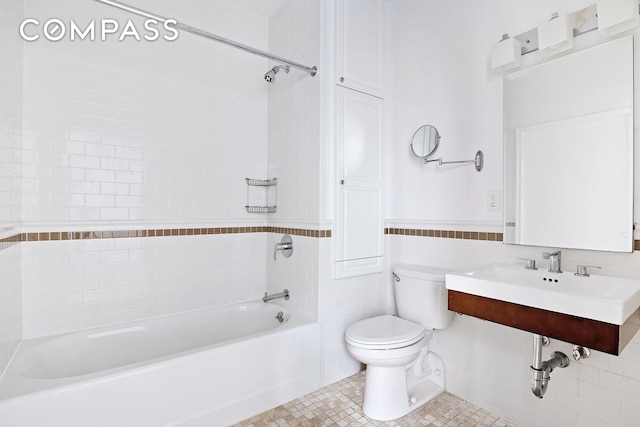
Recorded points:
(554,258)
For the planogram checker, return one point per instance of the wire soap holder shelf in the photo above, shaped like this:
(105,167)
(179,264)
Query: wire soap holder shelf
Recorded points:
(261,201)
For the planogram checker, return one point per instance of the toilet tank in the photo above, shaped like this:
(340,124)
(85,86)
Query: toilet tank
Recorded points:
(421,295)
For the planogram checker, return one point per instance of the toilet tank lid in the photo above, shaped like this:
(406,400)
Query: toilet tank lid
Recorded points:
(421,272)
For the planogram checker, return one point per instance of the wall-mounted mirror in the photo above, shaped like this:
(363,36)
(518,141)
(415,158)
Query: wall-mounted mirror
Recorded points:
(425,141)
(569,151)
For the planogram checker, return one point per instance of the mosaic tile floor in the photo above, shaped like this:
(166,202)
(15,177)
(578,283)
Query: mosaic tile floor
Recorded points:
(340,404)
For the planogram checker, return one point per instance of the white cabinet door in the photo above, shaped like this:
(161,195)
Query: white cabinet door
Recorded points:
(359,45)
(359,223)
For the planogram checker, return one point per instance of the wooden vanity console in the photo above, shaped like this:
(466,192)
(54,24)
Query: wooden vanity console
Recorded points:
(593,334)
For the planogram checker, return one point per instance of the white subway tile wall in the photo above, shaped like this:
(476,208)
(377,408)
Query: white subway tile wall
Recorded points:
(294,112)
(11,61)
(295,157)
(130,134)
(299,273)
(342,303)
(488,364)
(70,285)
(11,105)
(293,141)
(139,130)
(10,302)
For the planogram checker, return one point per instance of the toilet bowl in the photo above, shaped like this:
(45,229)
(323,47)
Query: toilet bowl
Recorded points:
(402,374)
(386,341)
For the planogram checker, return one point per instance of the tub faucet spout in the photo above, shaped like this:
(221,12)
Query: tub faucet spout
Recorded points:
(284,294)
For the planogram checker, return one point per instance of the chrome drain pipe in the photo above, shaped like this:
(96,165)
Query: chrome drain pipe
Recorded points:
(541,371)
(536,368)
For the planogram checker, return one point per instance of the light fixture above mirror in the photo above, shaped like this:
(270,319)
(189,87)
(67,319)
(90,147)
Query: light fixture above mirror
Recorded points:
(616,16)
(556,35)
(610,17)
(506,54)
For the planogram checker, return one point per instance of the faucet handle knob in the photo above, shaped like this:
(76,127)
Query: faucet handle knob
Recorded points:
(581,270)
(530,264)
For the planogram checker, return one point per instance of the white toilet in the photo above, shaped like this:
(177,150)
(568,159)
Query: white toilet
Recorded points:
(402,374)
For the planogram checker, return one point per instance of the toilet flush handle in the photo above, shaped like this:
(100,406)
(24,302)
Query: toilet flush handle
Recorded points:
(395,276)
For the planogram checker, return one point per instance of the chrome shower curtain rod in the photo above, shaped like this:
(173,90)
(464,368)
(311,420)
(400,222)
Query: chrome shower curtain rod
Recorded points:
(193,30)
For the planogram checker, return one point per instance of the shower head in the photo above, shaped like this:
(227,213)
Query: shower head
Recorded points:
(270,75)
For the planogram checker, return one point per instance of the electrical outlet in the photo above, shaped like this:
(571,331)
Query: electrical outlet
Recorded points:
(493,201)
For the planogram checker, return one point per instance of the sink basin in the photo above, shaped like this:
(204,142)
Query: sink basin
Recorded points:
(603,298)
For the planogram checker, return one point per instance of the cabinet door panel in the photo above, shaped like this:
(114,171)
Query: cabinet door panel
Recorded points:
(362,119)
(359,222)
(359,45)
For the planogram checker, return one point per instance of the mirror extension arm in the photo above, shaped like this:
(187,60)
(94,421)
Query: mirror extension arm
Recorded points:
(478,161)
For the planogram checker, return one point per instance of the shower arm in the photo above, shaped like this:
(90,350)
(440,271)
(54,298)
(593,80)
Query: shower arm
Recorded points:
(193,30)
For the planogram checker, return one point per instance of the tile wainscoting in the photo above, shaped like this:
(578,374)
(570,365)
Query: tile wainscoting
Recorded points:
(75,279)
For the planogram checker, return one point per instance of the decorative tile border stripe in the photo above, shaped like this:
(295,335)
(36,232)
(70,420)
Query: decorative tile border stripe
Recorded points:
(7,242)
(115,234)
(299,232)
(163,232)
(447,234)
(12,239)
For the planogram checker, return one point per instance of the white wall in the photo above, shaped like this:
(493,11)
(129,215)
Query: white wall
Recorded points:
(345,301)
(342,303)
(293,151)
(143,131)
(106,148)
(447,82)
(11,117)
(10,302)
(488,364)
(80,284)
(438,72)
(294,114)
(141,135)
(10,179)
(301,157)
(135,135)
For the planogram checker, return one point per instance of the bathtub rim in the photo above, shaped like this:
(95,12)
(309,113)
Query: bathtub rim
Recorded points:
(151,396)
(60,384)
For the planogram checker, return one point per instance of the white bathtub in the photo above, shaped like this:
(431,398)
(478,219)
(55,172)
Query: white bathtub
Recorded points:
(208,368)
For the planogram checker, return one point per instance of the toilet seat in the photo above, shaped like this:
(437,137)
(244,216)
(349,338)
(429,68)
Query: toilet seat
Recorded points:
(384,333)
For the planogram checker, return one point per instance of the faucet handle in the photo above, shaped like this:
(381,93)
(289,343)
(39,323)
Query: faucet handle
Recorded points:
(581,270)
(530,264)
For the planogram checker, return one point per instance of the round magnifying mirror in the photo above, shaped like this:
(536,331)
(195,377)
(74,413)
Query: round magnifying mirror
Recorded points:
(425,141)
